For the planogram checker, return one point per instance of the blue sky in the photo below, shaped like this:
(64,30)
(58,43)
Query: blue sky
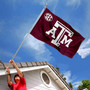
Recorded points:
(16,20)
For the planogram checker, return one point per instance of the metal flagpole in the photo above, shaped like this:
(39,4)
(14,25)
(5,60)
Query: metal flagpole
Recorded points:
(29,31)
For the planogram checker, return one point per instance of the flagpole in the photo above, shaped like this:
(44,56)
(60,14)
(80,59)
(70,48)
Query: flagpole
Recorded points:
(29,31)
(38,17)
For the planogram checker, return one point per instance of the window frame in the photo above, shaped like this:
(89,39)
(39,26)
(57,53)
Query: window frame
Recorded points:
(48,85)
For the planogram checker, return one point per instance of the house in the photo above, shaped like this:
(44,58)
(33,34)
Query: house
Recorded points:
(38,75)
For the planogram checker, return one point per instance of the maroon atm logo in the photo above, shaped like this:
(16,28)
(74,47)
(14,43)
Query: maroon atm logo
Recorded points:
(57,33)
(61,38)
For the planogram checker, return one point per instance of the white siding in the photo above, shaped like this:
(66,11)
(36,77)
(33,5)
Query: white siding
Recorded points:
(33,81)
(3,83)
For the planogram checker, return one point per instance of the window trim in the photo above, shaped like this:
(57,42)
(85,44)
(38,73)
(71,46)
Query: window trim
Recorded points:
(48,85)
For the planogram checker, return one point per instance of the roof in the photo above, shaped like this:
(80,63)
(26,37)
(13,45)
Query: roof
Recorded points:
(35,64)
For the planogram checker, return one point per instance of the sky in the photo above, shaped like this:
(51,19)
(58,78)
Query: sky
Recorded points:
(16,20)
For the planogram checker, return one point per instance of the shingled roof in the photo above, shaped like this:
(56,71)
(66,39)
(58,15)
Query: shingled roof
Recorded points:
(33,64)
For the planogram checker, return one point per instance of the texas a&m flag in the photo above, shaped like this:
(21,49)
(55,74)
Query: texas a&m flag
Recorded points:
(57,33)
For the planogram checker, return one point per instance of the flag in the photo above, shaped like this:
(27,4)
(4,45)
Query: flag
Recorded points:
(57,33)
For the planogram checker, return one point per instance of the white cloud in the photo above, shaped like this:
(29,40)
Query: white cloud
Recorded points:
(73,2)
(67,75)
(41,53)
(76,84)
(84,50)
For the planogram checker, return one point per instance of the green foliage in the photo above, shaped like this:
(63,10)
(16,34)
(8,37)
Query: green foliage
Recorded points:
(64,78)
(57,68)
(71,86)
(85,84)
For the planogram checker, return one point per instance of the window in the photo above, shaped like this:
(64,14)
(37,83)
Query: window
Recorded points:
(45,78)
